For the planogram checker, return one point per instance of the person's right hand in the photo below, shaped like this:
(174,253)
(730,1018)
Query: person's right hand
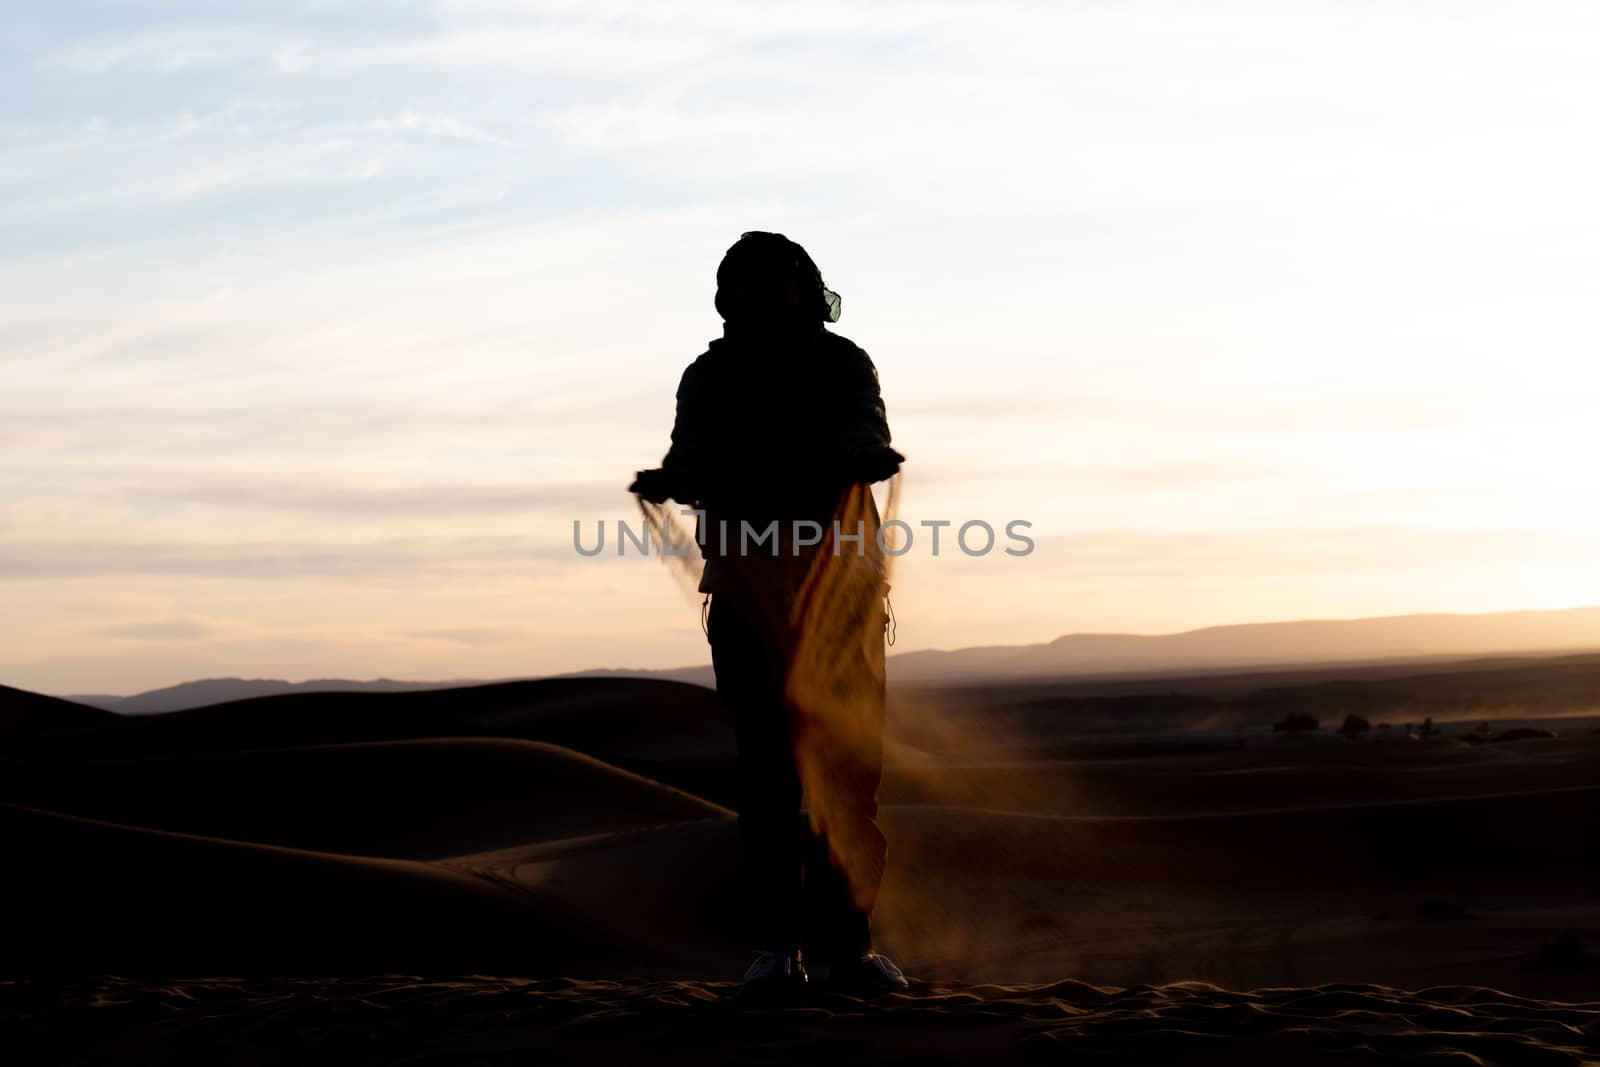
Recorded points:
(653,485)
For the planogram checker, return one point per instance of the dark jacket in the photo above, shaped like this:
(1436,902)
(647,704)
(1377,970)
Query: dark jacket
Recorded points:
(776,426)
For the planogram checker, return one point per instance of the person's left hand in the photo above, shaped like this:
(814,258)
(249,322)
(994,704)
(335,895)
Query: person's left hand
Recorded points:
(653,485)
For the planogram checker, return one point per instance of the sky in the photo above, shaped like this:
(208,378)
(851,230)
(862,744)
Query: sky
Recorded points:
(321,323)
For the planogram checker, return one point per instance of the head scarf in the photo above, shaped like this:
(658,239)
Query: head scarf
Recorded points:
(767,279)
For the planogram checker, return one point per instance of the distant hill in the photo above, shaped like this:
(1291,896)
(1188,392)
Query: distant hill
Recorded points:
(692,675)
(1398,638)
(1311,642)
(207,691)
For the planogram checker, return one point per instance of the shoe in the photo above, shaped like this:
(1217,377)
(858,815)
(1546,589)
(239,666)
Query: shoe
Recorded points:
(773,973)
(867,976)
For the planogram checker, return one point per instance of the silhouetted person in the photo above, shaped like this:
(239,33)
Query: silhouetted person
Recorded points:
(780,421)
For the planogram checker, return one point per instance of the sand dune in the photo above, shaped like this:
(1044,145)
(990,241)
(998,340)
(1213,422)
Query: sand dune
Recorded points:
(670,889)
(1219,774)
(460,1019)
(668,731)
(575,833)
(418,799)
(1276,898)
(24,714)
(93,897)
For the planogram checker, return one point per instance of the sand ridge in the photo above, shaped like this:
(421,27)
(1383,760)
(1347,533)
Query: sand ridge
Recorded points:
(484,1020)
(1214,895)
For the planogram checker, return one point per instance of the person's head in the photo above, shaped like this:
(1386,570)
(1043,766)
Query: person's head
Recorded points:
(765,279)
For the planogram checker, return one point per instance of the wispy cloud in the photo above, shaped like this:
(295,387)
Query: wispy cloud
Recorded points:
(400,502)
(436,125)
(394,557)
(471,635)
(177,49)
(162,630)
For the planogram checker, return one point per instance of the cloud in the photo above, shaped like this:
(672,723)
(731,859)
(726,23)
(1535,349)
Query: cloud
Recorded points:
(470,635)
(164,630)
(1370,551)
(437,125)
(1071,477)
(277,560)
(401,502)
(176,49)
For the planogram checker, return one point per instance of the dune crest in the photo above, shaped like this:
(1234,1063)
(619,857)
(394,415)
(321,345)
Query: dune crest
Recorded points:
(453,1019)
(1216,891)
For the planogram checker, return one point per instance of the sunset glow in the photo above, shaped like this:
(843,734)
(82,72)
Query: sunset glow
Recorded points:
(322,322)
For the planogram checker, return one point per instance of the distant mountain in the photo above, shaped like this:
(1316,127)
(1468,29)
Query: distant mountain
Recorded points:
(206,691)
(1393,638)
(1397,637)
(692,675)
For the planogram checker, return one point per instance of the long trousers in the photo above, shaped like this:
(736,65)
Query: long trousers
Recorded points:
(810,873)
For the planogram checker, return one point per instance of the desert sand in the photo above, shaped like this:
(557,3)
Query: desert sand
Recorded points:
(545,869)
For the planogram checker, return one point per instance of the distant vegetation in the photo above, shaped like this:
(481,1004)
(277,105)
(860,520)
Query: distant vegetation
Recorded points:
(1354,725)
(1524,733)
(1296,722)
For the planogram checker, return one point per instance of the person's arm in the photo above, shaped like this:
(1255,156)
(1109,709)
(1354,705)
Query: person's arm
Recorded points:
(691,453)
(864,437)
(681,475)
